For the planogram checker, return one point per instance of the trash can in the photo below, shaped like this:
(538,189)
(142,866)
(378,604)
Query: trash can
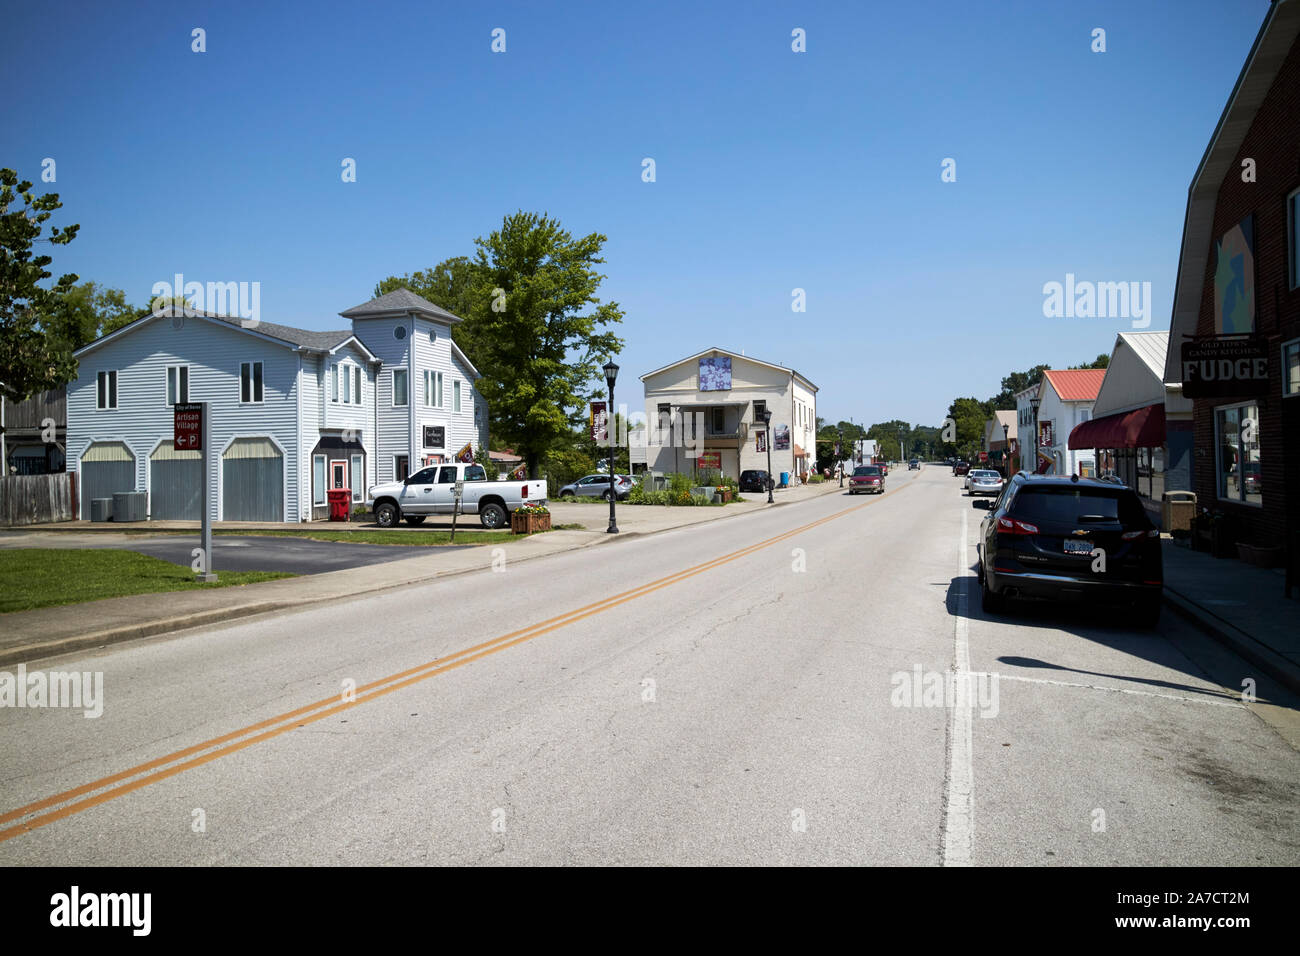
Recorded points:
(785,480)
(340,503)
(1177,508)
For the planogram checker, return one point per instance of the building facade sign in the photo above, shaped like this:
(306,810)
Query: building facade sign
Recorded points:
(1225,366)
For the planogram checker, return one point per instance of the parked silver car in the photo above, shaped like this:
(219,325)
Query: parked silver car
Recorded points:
(983,481)
(597,486)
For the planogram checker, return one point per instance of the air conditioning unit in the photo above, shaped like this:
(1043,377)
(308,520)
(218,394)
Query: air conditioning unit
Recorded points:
(130,506)
(101,509)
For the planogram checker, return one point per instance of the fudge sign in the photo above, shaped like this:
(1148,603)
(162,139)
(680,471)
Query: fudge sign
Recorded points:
(1225,367)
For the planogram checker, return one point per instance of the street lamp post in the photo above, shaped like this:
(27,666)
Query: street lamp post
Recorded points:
(1034,403)
(1006,448)
(767,435)
(901,456)
(611,373)
(839,455)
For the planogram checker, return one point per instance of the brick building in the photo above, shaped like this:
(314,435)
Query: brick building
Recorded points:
(1237,298)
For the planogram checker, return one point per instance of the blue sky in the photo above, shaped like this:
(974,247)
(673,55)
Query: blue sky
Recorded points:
(775,170)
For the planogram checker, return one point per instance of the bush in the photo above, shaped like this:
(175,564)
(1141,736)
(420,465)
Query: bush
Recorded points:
(679,483)
(816,479)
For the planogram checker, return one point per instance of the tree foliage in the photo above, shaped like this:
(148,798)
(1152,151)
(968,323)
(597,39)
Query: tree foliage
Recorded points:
(33,356)
(533,326)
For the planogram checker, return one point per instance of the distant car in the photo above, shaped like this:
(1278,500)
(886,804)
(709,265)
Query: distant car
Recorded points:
(883,466)
(983,481)
(868,478)
(1071,539)
(597,486)
(753,481)
(960,467)
(914,465)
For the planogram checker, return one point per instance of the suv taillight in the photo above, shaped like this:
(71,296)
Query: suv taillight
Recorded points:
(1012,526)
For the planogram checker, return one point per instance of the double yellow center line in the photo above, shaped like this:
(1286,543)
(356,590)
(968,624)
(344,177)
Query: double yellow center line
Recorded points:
(142,775)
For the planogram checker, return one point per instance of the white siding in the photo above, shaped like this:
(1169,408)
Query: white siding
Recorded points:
(214,352)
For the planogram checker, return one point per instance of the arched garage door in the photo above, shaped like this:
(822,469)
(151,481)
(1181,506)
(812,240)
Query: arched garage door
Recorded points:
(252,481)
(106,468)
(175,484)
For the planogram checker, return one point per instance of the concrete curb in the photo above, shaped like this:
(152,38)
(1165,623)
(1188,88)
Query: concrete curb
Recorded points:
(1262,656)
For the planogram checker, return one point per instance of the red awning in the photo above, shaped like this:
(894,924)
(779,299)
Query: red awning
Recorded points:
(1141,428)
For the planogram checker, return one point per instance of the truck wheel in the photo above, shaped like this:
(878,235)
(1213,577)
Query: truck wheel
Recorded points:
(386,515)
(413,520)
(492,516)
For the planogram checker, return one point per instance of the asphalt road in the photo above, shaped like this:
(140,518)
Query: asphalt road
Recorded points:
(736,692)
(242,552)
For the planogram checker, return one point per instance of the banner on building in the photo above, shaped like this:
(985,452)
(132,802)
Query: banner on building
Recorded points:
(782,438)
(760,441)
(1045,438)
(711,459)
(1234,280)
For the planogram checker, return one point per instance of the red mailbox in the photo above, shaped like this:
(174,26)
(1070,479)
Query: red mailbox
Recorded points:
(340,503)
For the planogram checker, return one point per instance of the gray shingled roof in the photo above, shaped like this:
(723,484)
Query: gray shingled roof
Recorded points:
(398,301)
(303,338)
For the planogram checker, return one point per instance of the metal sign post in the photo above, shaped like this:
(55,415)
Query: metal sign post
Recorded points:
(455,508)
(191,432)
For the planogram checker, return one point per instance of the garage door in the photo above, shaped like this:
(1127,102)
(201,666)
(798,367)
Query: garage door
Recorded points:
(106,468)
(252,481)
(175,484)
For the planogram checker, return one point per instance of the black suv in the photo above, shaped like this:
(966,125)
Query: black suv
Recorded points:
(1059,538)
(753,481)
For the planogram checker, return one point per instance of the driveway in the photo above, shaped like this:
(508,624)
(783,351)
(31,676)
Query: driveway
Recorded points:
(237,553)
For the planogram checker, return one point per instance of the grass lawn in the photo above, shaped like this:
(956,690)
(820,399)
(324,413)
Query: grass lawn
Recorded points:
(45,577)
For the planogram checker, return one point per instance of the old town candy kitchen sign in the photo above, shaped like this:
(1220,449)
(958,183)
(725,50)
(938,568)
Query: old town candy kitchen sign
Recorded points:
(1225,366)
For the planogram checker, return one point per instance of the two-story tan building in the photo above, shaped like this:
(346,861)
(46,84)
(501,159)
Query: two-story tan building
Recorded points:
(706,412)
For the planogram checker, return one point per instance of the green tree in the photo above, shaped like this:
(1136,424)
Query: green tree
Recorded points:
(85,312)
(33,355)
(1101,361)
(533,326)
(970,416)
(1014,383)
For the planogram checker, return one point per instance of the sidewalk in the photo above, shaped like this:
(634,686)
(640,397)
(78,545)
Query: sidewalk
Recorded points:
(1239,605)
(28,635)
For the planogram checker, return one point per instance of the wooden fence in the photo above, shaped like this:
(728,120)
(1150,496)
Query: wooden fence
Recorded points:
(35,499)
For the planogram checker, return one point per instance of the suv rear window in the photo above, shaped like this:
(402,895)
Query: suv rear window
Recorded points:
(1072,505)
(866,470)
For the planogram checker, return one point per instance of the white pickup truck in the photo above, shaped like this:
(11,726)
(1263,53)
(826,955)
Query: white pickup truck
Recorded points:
(432,491)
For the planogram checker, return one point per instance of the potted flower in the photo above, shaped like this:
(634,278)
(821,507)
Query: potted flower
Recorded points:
(528,519)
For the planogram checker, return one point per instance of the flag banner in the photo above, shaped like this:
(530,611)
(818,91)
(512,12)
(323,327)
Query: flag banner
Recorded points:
(599,423)
(466,454)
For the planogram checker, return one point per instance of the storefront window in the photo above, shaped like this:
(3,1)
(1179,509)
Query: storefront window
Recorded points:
(1291,368)
(1236,433)
(1157,473)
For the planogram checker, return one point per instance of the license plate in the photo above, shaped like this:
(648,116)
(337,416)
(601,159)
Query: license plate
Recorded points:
(1077,547)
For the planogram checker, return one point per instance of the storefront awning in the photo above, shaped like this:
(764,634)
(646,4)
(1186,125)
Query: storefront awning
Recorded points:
(1141,428)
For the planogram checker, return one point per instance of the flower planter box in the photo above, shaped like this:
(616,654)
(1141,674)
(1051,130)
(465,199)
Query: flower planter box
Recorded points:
(529,524)
(723,495)
(1258,556)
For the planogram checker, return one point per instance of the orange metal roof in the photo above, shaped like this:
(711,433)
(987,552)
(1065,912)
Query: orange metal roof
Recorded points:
(1076,385)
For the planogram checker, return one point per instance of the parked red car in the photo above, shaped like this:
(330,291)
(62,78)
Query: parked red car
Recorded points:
(961,468)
